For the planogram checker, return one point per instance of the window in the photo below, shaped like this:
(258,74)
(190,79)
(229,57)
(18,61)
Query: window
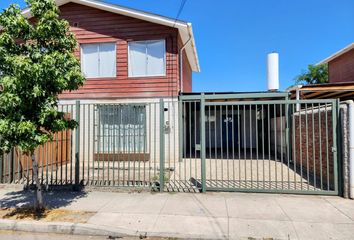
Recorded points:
(98,60)
(147,58)
(121,128)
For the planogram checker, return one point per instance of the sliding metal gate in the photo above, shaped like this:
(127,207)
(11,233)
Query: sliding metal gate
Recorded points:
(283,146)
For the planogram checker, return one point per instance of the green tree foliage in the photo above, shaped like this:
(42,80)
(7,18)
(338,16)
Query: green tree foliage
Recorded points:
(315,74)
(36,65)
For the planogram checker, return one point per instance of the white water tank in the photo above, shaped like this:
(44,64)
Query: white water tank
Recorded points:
(273,71)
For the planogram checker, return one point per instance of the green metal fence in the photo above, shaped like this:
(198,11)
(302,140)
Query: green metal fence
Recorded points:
(115,145)
(239,142)
(260,145)
(122,144)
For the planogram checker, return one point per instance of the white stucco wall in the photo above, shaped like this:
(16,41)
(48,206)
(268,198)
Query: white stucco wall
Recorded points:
(88,131)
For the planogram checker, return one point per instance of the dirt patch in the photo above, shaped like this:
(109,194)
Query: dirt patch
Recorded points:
(47,215)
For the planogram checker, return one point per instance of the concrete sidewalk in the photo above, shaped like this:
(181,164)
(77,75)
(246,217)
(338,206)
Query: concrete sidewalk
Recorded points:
(207,216)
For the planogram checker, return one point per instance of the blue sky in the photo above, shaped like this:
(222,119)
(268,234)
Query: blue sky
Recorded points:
(234,36)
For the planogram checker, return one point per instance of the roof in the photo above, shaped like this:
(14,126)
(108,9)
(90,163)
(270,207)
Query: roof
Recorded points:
(342,91)
(337,54)
(184,28)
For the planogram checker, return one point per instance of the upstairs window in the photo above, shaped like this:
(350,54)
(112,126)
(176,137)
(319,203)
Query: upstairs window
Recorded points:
(98,60)
(147,58)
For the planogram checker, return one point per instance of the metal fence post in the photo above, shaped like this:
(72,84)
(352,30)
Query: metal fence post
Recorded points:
(180,130)
(202,141)
(335,145)
(287,131)
(337,142)
(77,147)
(162,145)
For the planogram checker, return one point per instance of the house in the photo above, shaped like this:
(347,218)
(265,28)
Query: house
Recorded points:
(126,53)
(340,77)
(341,65)
(128,56)
(131,60)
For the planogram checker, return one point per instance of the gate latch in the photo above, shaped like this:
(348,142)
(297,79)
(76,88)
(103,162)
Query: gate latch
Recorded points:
(334,149)
(198,147)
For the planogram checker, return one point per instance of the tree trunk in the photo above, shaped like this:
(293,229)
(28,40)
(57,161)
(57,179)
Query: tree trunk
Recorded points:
(38,194)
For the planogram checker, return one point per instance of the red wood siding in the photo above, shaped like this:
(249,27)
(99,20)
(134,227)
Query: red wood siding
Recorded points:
(186,70)
(187,75)
(92,25)
(341,69)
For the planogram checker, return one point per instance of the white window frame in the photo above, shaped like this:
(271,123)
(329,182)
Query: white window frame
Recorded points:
(133,126)
(147,75)
(98,43)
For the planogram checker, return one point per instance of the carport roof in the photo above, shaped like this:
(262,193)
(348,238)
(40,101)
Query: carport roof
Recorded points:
(343,91)
(236,96)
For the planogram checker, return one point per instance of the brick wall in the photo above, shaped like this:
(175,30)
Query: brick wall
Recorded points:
(313,148)
(341,69)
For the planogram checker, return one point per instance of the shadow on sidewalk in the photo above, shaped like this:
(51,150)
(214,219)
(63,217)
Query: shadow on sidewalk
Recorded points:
(52,199)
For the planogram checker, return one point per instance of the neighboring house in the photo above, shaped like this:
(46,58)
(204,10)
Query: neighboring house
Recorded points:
(340,76)
(341,65)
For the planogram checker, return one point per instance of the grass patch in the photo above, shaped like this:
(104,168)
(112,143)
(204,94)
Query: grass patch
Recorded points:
(47,215)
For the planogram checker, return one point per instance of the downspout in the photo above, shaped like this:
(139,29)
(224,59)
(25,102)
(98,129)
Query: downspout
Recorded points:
(351,147)
(181,62)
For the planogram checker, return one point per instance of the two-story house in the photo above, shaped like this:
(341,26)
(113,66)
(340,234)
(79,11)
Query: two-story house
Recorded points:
(131,60)
(126,53)
(340,78)
(341,65)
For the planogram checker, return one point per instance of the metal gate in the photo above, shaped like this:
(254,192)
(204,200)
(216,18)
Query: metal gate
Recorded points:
(255,143)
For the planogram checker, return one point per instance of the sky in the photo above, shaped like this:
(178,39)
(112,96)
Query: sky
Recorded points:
(233,37)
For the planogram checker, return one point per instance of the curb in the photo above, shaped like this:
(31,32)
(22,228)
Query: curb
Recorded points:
(85,229)
(61,228)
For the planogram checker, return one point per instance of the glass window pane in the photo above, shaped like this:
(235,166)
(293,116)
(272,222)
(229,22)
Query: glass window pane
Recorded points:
(122,128)
(89,60)
(156,58)
(137,59)
(108,60)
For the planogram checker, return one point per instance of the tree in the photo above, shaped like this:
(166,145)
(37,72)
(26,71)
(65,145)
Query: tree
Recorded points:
(36,65)
(315,74)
